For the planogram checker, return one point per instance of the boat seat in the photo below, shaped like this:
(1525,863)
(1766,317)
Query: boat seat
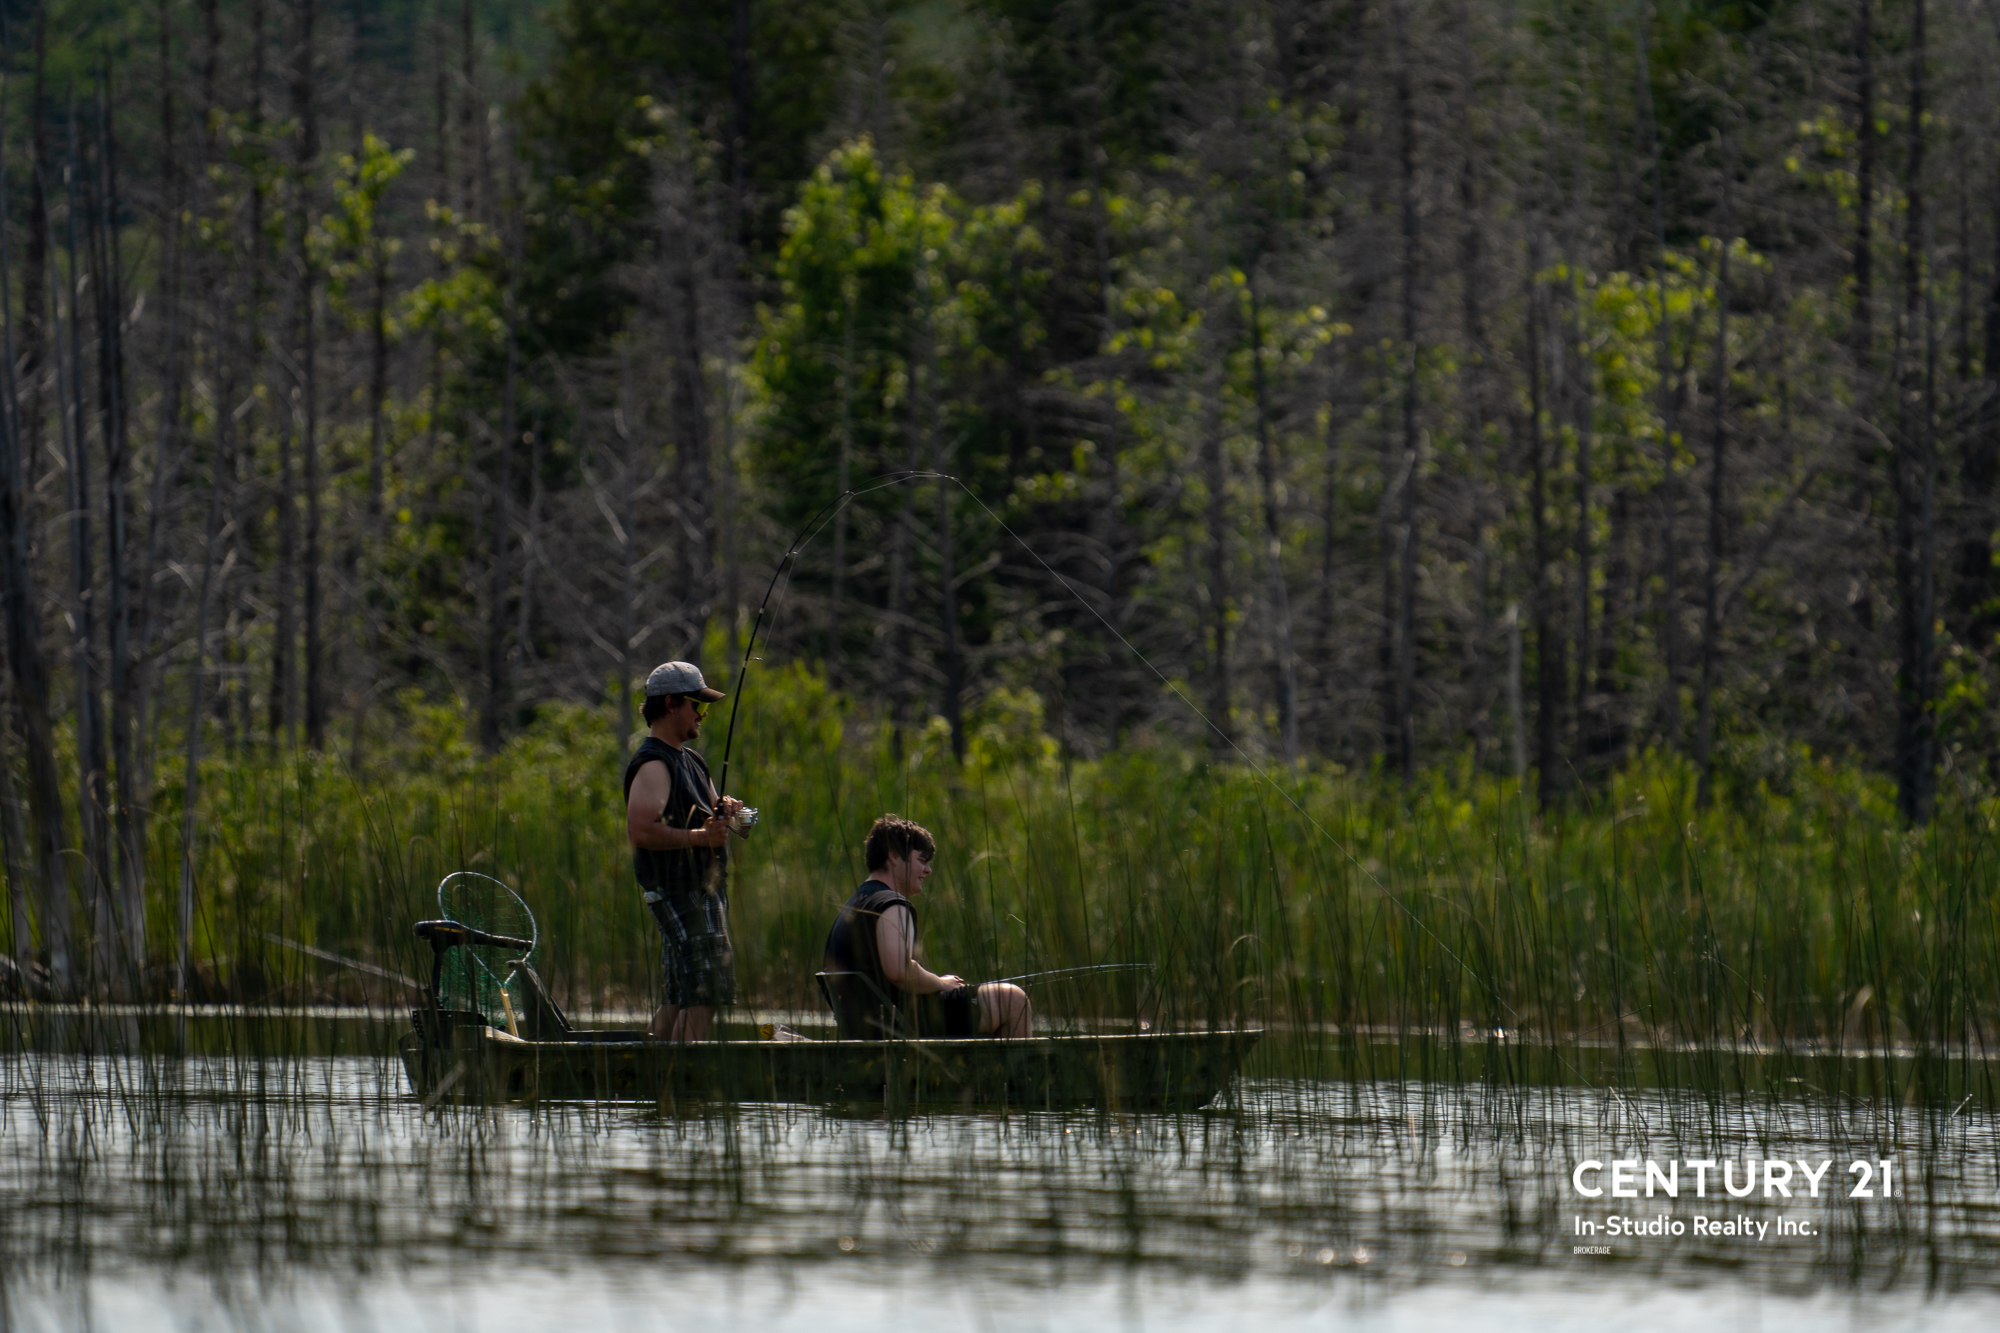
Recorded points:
(541,1018)
(860,1009)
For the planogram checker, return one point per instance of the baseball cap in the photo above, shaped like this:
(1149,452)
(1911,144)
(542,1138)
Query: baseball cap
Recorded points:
(680,678)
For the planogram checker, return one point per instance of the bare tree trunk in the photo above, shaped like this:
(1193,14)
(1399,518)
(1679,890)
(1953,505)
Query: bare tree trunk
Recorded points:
(378,386)
(25,660)
(440,104)
(304,110)
(742,89)
(1215,475)
(1916,476)
(166,450)
(1962,259)
(211,64)
(14,843)
(1611,723)
(1471,313)
(1711,617)
(898,664)
(93,796)
(1406,527)
(1548,645)
(729,518)
(1863,332)
(954,666)
(491,722)
(442,187)
(240,362)
(34,277)
(1981,470)
(1669,492)
(902,543)
(1327,709)
(362,568)
(1281,605)
(191,795)
(129,915)
(524,633)
(835,656)
(472,140)
(696,476)
(1516,708)
(285,642)
(628,597)
(1586,419)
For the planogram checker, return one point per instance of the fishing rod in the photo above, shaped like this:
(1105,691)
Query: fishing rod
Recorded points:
(827,513)
(1075,971)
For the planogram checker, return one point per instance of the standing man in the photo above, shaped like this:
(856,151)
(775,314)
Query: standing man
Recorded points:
(679,829)
(879,989)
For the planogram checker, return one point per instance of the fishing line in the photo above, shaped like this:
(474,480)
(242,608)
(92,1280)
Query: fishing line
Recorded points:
(786,565)
(1249,762)
(817,524)
(1491,990)
(832,508)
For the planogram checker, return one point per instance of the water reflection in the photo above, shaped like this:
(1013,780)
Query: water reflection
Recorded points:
(254,1192)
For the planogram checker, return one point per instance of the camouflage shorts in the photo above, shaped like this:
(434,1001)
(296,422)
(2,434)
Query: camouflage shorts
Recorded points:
(694,954)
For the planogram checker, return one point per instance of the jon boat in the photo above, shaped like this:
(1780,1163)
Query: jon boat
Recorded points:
(535,1054)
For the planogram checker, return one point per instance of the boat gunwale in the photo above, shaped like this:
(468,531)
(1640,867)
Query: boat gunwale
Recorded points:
(617,1037)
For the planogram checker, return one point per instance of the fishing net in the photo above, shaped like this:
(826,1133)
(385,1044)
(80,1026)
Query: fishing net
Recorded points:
(474,976)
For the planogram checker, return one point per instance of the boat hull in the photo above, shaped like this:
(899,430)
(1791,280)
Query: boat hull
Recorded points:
(1119,1071)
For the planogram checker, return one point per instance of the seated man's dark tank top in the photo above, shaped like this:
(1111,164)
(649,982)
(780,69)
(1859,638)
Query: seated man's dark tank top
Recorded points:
(864,999)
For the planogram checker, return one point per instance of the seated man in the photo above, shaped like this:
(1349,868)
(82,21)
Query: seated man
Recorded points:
(879,989)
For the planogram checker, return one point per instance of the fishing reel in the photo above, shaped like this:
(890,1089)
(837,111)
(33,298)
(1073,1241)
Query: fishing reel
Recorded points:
(744,819)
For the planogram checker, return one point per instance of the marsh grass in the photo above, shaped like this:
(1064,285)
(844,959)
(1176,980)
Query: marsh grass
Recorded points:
(1314,902)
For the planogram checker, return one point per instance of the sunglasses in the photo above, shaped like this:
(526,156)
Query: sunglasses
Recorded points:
(700,708)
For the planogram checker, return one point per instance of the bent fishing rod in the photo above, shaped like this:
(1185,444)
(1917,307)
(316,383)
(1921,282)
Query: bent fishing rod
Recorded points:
(814,526)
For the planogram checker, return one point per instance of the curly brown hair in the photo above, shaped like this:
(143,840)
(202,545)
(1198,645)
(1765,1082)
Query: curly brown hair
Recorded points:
(895,836)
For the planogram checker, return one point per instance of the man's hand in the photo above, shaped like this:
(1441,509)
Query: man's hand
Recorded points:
(714,832)
(729,807)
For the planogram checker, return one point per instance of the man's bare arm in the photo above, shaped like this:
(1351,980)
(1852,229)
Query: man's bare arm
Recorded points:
(895,945)
(647,804)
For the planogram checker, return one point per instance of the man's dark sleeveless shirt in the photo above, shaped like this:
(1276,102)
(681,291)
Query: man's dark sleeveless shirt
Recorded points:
(690,799)
(851,946)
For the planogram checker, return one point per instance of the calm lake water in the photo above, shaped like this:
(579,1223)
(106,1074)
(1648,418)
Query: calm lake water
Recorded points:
(226,1192)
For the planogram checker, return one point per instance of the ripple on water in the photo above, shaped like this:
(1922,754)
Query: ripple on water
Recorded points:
(312,1192)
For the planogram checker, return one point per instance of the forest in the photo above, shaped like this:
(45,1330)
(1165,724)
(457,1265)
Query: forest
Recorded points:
(1366,387)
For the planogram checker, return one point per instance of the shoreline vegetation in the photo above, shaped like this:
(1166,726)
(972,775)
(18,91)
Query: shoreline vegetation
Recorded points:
(1796,910)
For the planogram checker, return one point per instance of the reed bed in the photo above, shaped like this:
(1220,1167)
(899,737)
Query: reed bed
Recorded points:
(1795,911)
